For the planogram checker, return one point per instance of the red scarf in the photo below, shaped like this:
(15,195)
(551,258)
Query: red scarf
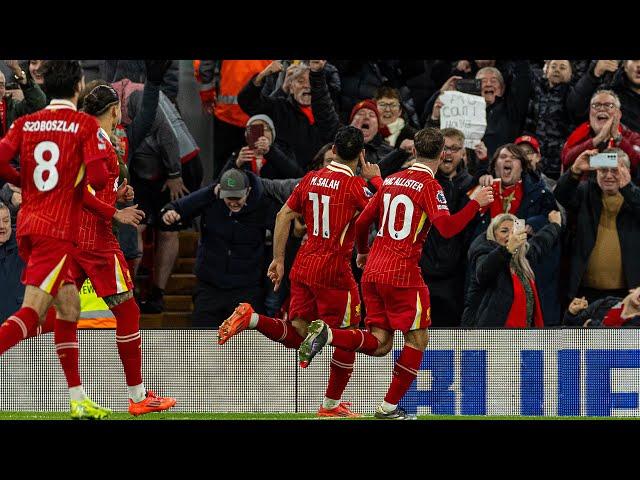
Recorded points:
(518,313)
(582,133)
(613,317)
(3,117)
(308,113)
(257,166)
(510,197)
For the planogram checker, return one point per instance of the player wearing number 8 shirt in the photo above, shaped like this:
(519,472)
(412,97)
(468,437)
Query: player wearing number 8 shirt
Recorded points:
(393,289)
(59,150)
(322,283)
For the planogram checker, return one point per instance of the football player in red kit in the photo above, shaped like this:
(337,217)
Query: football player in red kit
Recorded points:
(58,148)
(393,289)
(100,258)
(322,283)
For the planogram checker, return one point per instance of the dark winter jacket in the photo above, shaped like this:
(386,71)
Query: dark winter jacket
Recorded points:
(376,149)
(537,202)
(629,100)
(490,294)
(579,98)
(232,245)
(280,164)
(595,312)
(34,100)
(444,257)
(11,266)
(585,199)
(549,121)
(290,122)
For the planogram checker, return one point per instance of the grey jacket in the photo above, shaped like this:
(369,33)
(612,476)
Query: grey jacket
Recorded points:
(168,144)
(114,70)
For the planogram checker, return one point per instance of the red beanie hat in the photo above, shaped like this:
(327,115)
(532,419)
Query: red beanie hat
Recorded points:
(371,105)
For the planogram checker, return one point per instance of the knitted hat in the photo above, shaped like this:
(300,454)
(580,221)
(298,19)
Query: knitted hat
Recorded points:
(267,120)
(371,105)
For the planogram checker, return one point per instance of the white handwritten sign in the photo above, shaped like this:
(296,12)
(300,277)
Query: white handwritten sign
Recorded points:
(467,113)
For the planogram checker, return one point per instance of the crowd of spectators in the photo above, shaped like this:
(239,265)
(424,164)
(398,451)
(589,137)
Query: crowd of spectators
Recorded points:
(571,263)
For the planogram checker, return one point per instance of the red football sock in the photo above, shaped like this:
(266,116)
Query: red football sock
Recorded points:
(16,328)
(354,340)
(47,326)
(66,340)
(128,340)
(405,372)
(340,372)
(279,331)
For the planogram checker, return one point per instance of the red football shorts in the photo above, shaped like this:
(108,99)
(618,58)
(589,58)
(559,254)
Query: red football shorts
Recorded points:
(107,270)
(396,308)
(339,308)
(49,262)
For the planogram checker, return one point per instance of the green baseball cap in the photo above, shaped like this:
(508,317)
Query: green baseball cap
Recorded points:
(233,183)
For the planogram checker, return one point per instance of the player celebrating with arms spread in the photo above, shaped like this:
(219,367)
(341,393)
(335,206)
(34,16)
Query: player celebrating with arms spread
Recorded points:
(322,283)
(58,146)
(393,289)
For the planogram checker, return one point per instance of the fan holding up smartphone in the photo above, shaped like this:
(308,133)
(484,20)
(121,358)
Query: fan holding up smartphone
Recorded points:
(472,86)
(259,134)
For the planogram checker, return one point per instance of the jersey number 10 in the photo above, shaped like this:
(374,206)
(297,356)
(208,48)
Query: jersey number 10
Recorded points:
(324,199)
(389,216)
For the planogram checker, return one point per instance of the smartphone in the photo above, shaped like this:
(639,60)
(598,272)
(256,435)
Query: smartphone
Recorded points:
(252,133)
(519,225)
(471,86)
(604,160)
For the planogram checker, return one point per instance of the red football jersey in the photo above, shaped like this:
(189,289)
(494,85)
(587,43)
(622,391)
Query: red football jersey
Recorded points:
(96,232)
(329,200)
(405,207)
(54,145)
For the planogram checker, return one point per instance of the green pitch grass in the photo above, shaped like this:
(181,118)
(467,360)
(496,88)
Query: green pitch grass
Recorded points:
(272,416)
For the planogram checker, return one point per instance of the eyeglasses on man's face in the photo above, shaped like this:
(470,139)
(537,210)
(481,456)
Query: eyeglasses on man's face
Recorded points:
(603,106)
(452,148)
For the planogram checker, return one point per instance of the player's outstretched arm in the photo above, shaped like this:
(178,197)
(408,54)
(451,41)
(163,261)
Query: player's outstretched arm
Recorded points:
(451,225)
(126,216)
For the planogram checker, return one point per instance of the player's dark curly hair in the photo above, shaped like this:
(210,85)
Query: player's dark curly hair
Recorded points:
(429,143)
(99,99)
(61,77)
(349,142)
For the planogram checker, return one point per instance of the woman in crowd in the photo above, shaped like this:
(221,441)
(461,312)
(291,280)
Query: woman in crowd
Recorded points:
(503,292)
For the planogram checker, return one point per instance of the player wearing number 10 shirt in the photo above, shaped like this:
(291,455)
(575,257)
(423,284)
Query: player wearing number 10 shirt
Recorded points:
(322,283)
(393,289)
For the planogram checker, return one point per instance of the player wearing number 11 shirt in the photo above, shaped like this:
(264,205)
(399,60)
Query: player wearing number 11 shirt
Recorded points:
(60,148)
(322,283)
(393,289)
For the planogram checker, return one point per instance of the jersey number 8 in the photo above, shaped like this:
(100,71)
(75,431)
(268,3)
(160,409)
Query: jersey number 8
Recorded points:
(46,166)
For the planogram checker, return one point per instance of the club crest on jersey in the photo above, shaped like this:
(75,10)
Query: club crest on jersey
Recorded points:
(102,139)
(440,197)
(367,193)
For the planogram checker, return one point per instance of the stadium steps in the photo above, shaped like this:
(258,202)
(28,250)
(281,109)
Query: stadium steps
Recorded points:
(177,300)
